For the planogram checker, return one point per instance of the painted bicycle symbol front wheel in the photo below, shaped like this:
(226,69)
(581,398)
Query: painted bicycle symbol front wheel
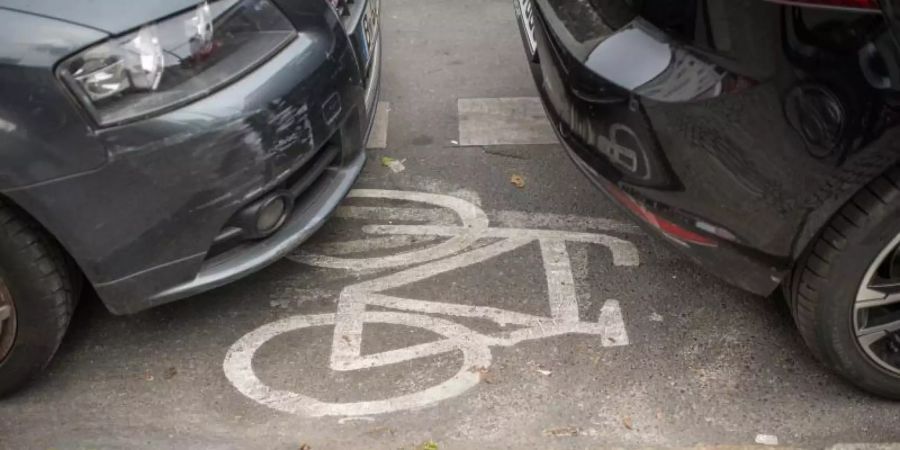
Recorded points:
(470,220)
(238,367)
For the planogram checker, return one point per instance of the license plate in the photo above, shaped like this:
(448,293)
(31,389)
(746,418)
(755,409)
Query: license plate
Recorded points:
(370,28)
(525,11)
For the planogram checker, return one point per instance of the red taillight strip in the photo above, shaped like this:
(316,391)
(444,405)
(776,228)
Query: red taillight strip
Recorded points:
(849,5)
(670,229)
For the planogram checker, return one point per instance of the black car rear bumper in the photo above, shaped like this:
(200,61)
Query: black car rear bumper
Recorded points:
(614,108)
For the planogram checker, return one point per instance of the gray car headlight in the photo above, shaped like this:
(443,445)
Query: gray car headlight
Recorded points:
(176,60)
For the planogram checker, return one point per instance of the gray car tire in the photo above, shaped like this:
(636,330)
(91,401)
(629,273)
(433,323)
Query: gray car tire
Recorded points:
(35,276)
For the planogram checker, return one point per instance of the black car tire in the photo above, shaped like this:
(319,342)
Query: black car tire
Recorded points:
(36,276)
(827,279)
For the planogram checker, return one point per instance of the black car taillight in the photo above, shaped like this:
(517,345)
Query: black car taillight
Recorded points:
(852,5)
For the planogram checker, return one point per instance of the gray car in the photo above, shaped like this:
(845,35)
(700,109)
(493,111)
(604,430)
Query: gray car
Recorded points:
(158,149)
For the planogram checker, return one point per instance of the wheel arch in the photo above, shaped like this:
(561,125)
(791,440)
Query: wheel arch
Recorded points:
(76,273)
(840,188)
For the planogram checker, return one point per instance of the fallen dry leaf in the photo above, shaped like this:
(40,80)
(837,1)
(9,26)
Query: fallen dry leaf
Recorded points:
(305,447)
(484,374)
(627,422)
(517,181)
(170,373)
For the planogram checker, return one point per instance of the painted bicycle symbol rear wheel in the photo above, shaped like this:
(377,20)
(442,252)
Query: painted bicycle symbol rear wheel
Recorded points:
(239,362)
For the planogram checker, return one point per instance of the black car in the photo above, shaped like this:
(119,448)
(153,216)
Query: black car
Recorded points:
(159,149)
(760,137)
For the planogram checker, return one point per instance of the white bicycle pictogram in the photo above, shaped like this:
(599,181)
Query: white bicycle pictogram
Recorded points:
(461,248)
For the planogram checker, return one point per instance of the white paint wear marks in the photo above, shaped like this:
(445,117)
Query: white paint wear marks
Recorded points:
(766,439)
(389,215)
(452,244)
(369,244)
(560,221)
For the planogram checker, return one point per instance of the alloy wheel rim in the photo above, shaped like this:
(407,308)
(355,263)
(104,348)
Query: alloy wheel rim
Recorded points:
(876,311)
(7,321)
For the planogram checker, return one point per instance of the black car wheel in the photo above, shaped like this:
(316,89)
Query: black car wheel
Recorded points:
(36,298)
(846,294)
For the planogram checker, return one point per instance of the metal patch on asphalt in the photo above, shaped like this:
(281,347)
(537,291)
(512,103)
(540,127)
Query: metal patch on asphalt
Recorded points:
(503,121)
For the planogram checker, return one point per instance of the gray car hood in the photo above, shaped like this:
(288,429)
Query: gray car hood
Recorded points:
(111,16)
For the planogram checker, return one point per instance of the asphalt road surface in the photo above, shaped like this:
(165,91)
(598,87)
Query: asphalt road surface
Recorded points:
(476,292)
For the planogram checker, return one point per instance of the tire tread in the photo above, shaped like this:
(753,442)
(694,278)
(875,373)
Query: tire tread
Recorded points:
(34,248)
(810,282)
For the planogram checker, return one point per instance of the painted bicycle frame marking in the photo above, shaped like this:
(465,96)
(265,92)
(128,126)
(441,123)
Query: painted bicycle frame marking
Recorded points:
(460,250)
